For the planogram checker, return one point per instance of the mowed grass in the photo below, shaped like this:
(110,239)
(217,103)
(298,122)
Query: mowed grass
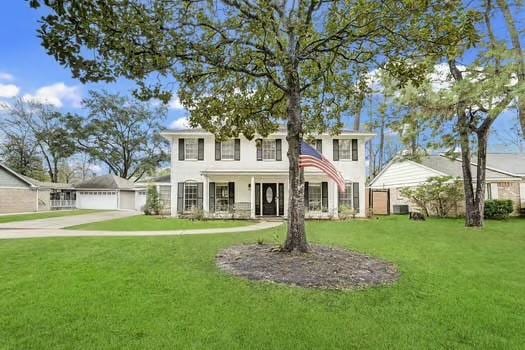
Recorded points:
(459,289)
(156,223)
(44,215)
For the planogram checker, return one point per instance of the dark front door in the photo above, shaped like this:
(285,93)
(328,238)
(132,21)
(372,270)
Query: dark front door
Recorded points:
(269,193)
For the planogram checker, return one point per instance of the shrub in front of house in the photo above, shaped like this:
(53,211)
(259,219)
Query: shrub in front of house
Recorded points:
(498,209)
(153,204)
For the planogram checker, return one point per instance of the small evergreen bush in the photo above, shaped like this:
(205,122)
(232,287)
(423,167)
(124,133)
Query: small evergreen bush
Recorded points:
(498,209)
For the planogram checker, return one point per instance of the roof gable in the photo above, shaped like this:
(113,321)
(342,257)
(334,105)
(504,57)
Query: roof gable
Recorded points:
(10,178)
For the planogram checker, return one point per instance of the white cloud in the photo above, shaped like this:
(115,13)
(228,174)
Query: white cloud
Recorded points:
(95,168)
(6,76)
(9,90)
(181,123)
(175,103)
(57,95)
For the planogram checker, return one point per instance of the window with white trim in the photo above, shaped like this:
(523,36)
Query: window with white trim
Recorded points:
(268,149)
(191,149)
(345,149)
(222,198)
(314,197)
(190,196)
(228,149)
(345,198)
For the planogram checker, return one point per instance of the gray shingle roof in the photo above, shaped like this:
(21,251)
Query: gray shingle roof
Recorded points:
(48,185)
(112,182)
(163,178)
(452,167)
(513,163)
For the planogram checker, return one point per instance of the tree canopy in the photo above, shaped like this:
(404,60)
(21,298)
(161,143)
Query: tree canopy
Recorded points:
(244,66)
(121,132)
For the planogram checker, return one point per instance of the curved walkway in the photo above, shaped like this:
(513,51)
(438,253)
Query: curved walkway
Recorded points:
(15,233)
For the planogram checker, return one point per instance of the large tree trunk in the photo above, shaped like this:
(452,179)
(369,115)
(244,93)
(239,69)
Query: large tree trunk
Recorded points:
(296,237)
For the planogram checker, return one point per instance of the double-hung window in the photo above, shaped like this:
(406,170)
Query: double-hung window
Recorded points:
(345,198)
(268,149)
(345,149)
(222,202)
(314,197)
(190,196)
(228,149)
(191,149)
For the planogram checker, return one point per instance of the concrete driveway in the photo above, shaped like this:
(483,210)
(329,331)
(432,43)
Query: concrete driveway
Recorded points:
(44,232)
(66,221)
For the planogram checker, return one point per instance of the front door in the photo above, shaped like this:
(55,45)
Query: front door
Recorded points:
(269,193)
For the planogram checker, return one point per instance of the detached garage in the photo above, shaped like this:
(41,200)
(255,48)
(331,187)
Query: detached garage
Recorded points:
(109,192)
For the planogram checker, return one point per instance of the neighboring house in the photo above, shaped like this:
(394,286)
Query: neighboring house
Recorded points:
(401,173)
(511,164)
(110,192)
(251,176)
(20,194)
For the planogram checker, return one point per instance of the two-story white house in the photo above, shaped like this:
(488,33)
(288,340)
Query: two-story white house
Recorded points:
(252,175)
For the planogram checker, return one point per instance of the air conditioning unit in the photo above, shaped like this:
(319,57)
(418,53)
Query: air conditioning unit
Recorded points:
(400,209)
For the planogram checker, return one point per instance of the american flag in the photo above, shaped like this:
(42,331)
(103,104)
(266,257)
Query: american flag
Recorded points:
(311,158)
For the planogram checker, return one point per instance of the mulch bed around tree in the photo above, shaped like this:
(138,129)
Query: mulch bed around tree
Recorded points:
(322,267)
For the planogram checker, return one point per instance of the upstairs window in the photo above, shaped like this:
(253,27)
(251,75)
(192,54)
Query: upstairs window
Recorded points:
(345,149)
(228,149)
(191,149)
(268,149)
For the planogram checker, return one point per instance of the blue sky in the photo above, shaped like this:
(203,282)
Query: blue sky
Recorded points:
(26,70)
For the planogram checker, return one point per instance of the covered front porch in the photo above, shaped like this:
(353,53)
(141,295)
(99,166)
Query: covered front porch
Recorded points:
(256,194)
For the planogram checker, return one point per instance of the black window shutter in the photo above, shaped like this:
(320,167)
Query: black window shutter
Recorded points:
(306,195)
(231,194)
(217,150)
(278,149)
(201,150)
(237,154)
(257,199)
(200,194)
(319,145)
(336,149)
(324,196)
(258,144)
(181,149)
(281,198)
(211,197)
(354,149)
(180,197)
(355,193)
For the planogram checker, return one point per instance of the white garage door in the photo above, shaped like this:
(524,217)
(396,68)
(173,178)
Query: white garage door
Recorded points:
(127,200)
(140,200)
(97,200)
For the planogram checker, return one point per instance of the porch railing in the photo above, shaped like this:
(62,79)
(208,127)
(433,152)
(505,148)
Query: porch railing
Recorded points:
(63,203)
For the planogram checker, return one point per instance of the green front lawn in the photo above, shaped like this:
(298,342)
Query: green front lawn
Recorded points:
(44,215)
(459,289)
(156,223)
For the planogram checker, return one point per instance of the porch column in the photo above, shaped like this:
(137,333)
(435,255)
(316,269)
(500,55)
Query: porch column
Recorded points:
(252,198)
(335,201)
(206,195)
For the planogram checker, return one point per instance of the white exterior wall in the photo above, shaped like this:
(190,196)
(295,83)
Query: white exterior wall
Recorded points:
(404,174)
(242,171)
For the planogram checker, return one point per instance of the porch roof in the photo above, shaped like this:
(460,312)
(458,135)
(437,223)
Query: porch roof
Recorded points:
(256,172)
